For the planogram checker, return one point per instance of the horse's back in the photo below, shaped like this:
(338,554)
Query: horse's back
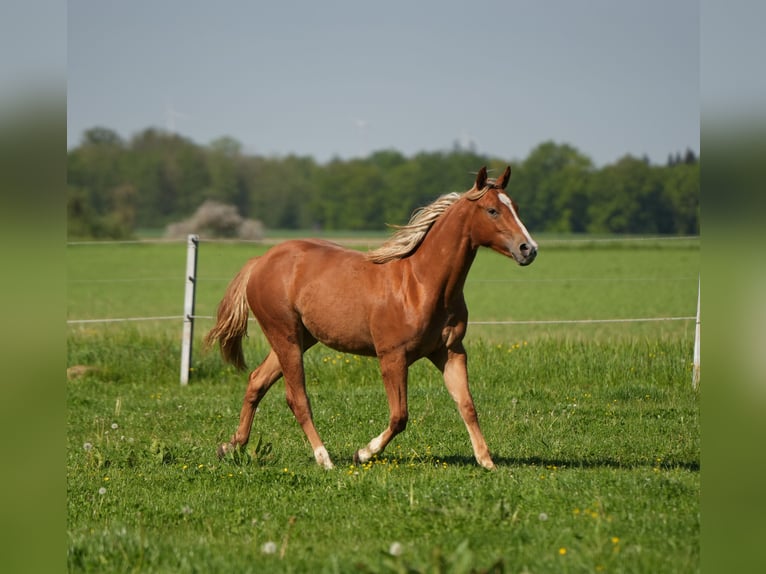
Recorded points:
(305,260)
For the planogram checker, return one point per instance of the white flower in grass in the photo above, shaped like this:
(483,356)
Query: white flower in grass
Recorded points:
(115,426)
(269,547)
(396,549)
(543,517)
(87,446)
(102,491)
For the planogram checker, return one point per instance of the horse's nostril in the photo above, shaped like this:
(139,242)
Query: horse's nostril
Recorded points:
(524,248)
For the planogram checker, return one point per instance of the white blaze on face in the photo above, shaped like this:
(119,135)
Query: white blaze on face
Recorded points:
(507,202)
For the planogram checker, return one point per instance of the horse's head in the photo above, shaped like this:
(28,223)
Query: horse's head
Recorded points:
(495,221)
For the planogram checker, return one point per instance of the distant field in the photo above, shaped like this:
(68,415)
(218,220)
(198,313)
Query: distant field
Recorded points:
(594,428)
(569,281)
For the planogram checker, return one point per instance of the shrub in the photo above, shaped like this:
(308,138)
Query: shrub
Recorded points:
(216,219)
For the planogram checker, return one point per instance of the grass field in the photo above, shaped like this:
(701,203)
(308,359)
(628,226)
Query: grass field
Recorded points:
(594,428)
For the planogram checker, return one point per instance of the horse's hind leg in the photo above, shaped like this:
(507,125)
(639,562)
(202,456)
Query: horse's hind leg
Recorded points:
(260,381)
(291,358)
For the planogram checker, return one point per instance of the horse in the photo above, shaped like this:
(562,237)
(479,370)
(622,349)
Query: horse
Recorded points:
(400,302)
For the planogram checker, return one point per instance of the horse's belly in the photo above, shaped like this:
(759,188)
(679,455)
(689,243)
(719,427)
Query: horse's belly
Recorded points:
(339,330)
(337,316)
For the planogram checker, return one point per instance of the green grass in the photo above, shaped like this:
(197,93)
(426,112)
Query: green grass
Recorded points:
(595,431)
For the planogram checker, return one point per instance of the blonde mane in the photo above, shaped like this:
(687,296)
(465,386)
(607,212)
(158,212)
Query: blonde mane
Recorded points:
(407,238)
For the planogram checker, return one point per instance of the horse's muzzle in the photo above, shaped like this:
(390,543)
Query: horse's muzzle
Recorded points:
(527,253)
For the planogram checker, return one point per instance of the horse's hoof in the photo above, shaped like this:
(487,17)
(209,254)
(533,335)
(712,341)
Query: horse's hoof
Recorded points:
(224,449)
(323,458)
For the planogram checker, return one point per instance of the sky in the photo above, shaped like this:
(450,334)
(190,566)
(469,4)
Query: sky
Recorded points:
(346,78)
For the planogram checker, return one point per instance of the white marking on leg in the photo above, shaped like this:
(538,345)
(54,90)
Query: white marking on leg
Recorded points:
(505,200)
(373,448)
(323,457)
(363,454)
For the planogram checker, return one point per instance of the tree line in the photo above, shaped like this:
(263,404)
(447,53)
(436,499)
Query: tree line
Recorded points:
(117,187)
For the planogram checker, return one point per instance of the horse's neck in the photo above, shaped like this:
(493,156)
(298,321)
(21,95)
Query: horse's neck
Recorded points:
(446,254)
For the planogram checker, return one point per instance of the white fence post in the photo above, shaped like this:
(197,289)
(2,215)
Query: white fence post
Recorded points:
(192,242)
(696,364)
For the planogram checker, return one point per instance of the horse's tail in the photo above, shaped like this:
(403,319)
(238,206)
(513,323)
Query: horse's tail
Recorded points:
(231,326)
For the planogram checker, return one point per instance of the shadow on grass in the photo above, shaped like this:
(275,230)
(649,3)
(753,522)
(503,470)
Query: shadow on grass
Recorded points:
(561,463)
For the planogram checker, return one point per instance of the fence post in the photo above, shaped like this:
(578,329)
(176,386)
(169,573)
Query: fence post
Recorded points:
(696,364)
(192,242)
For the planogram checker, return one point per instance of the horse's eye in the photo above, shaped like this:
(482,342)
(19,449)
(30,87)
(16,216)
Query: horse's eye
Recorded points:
(492,212)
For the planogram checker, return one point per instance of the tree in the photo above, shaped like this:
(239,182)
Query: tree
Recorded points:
(101,136)
(629,197)
(551,186)
(115,187)
(169,174)
(682,187)
(350,196)
(281,192)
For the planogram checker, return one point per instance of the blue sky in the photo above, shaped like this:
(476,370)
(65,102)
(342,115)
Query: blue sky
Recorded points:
(345,78)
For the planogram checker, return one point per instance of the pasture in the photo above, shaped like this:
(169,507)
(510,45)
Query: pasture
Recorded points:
(594,428)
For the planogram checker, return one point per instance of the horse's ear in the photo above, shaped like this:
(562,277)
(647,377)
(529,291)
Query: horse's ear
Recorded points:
(481,178)
(502,182)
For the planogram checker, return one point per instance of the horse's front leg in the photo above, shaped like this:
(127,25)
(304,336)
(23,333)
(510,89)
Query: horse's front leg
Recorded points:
(453,364)
(394,370)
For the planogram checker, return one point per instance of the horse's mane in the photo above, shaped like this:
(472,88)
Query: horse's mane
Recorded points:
(407,238)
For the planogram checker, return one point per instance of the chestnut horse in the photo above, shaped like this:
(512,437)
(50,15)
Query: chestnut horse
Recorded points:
(400,302)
